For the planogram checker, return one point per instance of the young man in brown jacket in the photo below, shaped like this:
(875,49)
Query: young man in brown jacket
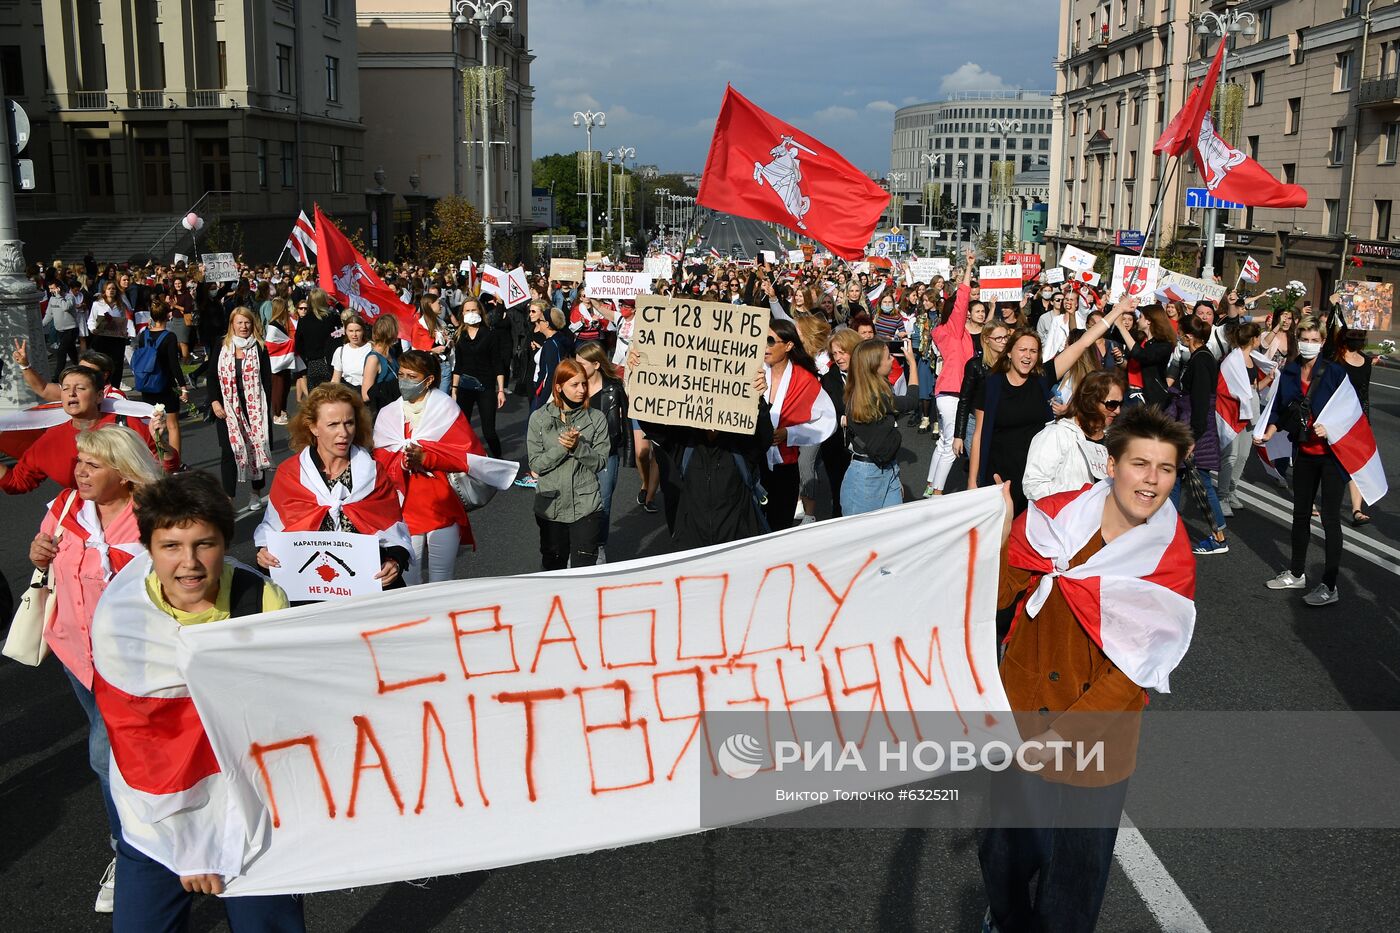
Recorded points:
(1103,581)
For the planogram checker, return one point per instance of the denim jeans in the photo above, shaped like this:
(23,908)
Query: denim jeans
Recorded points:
(1203,488)
(151,900)
(99,753)
(1060,833)
(607,478)
(868,487)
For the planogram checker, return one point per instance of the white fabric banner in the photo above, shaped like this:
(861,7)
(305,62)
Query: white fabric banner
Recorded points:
(924,270)
(620,286)
(478,723)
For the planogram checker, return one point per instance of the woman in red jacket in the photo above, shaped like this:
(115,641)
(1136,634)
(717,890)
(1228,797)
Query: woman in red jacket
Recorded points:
(802,415)
(955,339)
(423,436)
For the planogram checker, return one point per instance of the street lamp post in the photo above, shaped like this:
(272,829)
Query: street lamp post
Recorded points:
(482,12)
(621,154)
(896,201)
(1223,24)
(590,119)
(957,201)
(661,195)
(930,159)
(1003,128)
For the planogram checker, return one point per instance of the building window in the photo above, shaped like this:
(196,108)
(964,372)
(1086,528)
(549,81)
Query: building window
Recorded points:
(332,9)
(338,169)
(1256,89)
(1252,143)
(1290,173)
(285,79)
(262,163)
(223,64)
(1341,73)
(1134,112)
(1381,227)
(1331,208)
(1292,116)
(12,70)
(1266,22)
(1044,145)
(1390,139)
(1336,152)
(332,78)
(289,165)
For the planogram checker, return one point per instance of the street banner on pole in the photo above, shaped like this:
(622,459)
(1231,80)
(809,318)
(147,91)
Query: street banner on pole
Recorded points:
(999,283)
(1133,275)
(619,286)
(698,363)
(487,722)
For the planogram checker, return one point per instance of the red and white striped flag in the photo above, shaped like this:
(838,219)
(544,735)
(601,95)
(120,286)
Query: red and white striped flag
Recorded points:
(1235,405)
(302,241)
(1351,439)
(714,252)
(1250,272)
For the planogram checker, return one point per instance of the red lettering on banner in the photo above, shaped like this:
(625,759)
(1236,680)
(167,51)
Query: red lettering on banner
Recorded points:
(698,716)
(258,751)
(604,616)
(557,605)
(967,606)
(528,699)
(786,644)
(430,712)
(823,694)
(900,653)
(374,659)
(364,732)
(877,696)
(476,750)
(839,600)
(489,637)
(680,617)
(626,723)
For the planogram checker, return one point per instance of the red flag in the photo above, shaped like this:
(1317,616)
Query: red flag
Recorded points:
(348,276)
(764,169)
(1180,135)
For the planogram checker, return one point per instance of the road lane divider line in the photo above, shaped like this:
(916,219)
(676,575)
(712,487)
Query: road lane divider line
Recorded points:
(1350,534)
(1165,900)
(1285,518)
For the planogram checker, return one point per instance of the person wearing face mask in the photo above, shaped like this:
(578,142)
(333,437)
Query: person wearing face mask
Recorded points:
(239,395)
(424,437)
(1305,387)
(479,372)
(567,443)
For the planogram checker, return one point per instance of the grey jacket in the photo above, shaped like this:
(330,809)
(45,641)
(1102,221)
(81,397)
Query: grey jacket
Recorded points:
(572,475)
(59,312)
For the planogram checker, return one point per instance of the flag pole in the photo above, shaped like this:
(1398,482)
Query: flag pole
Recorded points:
(278,262)
(1157,208)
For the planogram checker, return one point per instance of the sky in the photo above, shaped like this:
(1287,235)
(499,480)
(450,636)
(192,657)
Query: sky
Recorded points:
(836,70)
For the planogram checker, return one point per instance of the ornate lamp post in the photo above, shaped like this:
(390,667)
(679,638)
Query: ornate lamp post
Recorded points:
(482,12)
(590,119)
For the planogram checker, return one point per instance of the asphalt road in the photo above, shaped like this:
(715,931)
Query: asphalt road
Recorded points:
(1253,650)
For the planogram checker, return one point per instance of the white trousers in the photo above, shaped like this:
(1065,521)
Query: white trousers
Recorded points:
(438,548)
(943,456)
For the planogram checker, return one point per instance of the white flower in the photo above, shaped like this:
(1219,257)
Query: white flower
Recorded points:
(1299,287)
(158,413)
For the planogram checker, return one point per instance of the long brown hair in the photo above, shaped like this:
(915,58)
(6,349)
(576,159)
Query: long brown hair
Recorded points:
(593,351)
(868,394)
(1003,364)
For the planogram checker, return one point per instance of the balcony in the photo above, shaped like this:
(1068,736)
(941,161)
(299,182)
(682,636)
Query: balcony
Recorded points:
(1380,92)
(87,100)
(207,98)
(148,100)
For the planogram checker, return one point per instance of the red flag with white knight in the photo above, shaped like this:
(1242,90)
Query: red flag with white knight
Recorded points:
(348,277)
(1228,173)
(764,169)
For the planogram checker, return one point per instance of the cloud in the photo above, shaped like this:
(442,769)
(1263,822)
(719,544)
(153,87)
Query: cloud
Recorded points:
(834,114)
(881,106)
(972,77)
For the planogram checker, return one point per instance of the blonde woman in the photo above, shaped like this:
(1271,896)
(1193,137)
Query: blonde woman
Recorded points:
(239,395)
(872,428)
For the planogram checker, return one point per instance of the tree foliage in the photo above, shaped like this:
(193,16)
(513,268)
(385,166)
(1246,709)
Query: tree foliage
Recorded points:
(560,173)
(455,232)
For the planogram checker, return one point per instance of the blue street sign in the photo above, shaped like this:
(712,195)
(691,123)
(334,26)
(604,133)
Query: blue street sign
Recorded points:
(1132,239)
(901,241)
(1201,197)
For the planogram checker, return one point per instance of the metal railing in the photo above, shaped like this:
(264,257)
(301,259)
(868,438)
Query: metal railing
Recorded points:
(1382,90)
(211,203)
(87,100)
(207,98)
(148,100)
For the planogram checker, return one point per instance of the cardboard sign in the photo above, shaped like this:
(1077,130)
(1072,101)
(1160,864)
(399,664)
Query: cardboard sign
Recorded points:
(768,256)
(1077,260)
(796,257)
(999,283)
(219,267)
(659,267)
(1135,276)
(1367,305)
(616,285)
(181,257)
(511,287)
(321,565)
(1029,262)
(632,263)
(699,360)
(1173,286)
(1054,275)
(493,721)
(926,270)
(566,270)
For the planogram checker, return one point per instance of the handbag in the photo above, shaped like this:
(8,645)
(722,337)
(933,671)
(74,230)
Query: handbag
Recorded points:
(471,491)
(25,642)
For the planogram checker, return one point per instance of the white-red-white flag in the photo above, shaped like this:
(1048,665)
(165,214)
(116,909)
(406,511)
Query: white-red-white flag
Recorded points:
(302,241)
(1350,437)
(1250,272)
(1235,404)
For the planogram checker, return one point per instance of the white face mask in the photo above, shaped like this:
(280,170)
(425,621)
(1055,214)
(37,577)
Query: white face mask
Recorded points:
(473,317)
(1308,350)
(243,343)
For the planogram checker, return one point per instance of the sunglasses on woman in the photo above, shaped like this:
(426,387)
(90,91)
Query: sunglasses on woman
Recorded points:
(1113,404)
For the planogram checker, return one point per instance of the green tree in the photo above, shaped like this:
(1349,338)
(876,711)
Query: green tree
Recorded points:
(455,232)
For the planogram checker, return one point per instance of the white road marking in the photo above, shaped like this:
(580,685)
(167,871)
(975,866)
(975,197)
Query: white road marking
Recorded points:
(1388,670)
(1385,385)
(1164,898)
(1382,555)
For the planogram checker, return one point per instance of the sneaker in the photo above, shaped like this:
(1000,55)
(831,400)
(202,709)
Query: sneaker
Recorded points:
(255,502)
(923,425)
(280,419)
(107,889)
(1227,510)
(602,554)
(928,490)
(651,508)
(642,496)
(527,482)
(1211,545)
(1287,581)
(1324,595)
(988,925)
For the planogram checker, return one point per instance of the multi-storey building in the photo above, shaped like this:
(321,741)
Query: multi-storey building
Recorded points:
(244,112)
(931,140)
(412,56)
(1314,96)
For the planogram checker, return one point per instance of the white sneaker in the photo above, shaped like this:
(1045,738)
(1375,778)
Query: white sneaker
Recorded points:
(254,502)
(1287,581)
(107,891)
(1227,510)
(602,554)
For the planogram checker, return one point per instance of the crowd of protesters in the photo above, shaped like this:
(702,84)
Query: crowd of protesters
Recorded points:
(381,413)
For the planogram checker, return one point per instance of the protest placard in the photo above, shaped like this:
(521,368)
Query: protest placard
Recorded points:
(1054,275)
(999,283)
(511,287)
(1134,276)
(925,270)
(181,257)
(487,722)
(619,286)
(1029,263)
(566,270)
(796,257)
(324,565)
(808,251)
(659,267)
(219,267)
(1173,286)
(768,256)
(1077,260)
(1367,305)
(698,363)
(633,263)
